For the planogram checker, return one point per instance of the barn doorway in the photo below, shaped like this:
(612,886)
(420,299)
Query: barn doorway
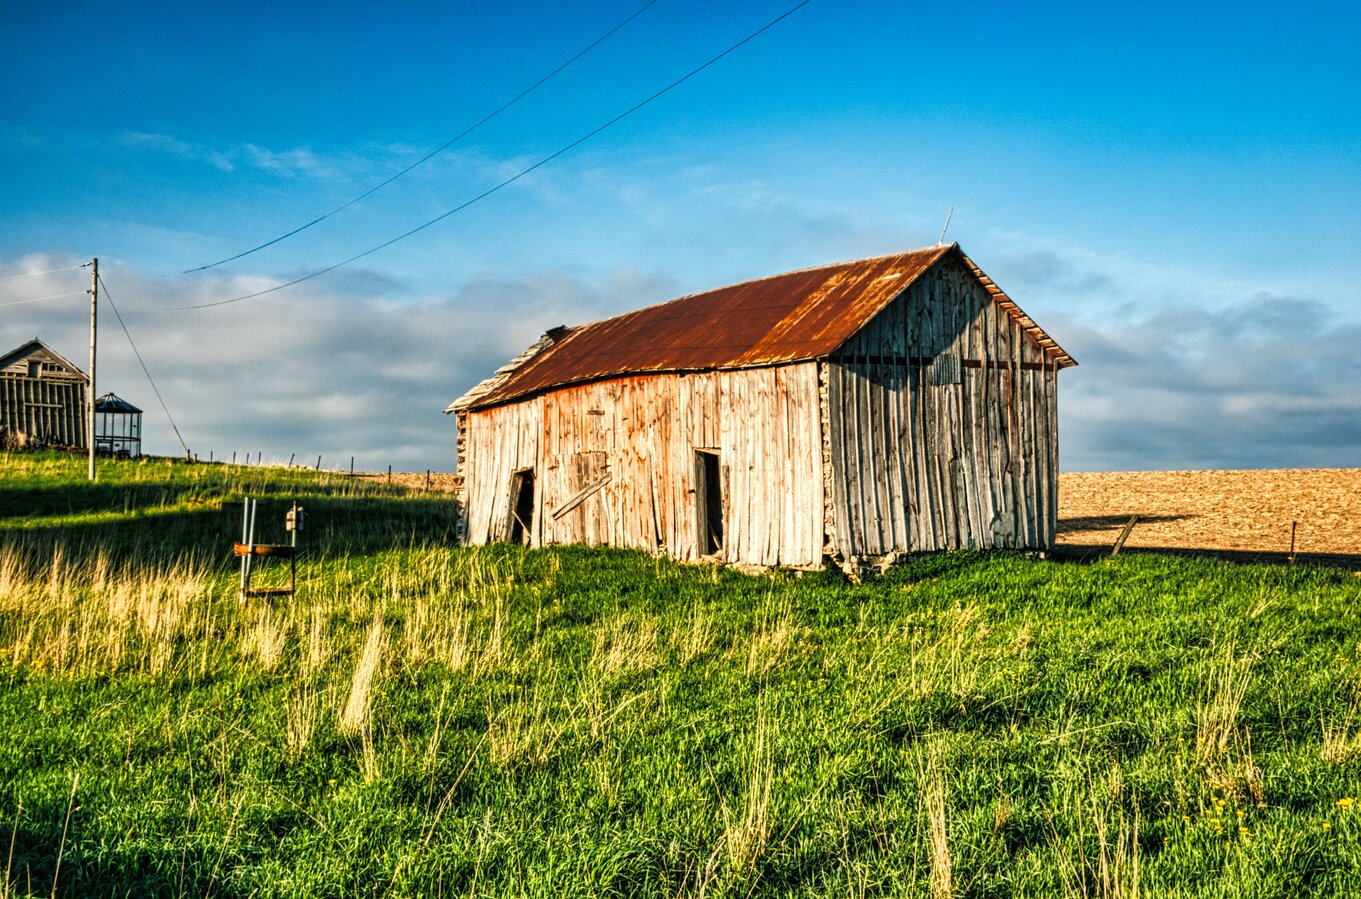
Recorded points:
(709,502)
(518,528)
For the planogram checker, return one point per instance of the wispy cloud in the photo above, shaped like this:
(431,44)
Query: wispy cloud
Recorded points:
(164,143)
(293,162)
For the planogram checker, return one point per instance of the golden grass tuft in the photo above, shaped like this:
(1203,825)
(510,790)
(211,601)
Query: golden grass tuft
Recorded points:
(318,640)
(1342,738)
(527,729)
(265,640)
(746,831)
(625,644)
(1223,747)
(1218,709)
(696,639)
(355,716)
(774,634)
(936,801)
(302,709)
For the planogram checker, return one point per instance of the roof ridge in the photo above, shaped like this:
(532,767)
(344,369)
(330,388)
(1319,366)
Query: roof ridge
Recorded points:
(572,329)
(773,320)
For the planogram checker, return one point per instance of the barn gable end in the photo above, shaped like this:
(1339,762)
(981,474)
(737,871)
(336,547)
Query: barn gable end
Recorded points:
(940,423)
(42,398)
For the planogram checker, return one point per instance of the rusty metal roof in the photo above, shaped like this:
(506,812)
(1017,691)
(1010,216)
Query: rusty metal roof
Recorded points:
(792,317)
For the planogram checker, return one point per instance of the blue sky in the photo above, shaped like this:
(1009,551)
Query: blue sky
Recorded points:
(1173,193)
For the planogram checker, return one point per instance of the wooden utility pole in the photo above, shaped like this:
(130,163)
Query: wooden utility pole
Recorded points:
(90,398)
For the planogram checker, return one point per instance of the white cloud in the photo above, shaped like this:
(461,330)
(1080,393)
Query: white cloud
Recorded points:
(361,362)
(1268,384)
(337,367)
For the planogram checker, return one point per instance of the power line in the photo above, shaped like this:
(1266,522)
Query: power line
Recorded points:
(435,152)
(50,271)
(511,180)
(152,382)
(55,296)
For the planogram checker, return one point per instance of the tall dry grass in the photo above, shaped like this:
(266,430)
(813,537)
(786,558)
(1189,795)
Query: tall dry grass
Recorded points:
(1223,746)
(354,717)
(747,827)
(936,801)
(89,619)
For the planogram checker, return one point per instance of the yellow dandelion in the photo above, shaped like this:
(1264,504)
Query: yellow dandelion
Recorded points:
(1345,802)
(1327,826)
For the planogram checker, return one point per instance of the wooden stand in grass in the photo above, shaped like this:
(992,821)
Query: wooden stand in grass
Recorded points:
(249,550)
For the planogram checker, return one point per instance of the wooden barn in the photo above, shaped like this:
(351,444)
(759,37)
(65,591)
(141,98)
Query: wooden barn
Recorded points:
(42,398)
(853,411)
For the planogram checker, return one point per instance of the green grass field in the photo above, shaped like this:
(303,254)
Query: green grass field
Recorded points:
(425,720)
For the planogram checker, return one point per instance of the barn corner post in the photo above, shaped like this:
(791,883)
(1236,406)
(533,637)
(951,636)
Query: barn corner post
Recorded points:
(461,478)
(90,391)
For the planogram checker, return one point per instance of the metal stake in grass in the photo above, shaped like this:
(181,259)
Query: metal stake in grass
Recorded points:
(9,865)
(61,847)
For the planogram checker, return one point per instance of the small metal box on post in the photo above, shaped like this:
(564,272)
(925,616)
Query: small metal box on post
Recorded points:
(249,550)
(294,521)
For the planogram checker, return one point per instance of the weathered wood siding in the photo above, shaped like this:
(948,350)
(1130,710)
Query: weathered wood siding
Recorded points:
(638,435)
(503,445)
(941,423)
(49,410)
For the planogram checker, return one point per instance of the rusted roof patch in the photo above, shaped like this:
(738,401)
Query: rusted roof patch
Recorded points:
(791,317)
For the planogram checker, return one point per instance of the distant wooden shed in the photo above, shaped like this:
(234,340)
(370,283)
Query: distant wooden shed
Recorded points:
(852,411)
(43,398)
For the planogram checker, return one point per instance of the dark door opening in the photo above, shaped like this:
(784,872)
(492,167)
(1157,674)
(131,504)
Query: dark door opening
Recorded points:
(521,507)
(709,502)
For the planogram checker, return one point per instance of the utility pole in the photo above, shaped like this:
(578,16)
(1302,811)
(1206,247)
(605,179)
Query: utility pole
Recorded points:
(90,398)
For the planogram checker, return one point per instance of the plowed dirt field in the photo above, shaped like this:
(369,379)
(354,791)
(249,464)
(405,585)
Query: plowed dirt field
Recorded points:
(1248,512)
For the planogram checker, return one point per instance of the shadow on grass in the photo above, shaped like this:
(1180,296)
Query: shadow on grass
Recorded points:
(932,565)
(28,500)
(1349,561)
(91,865)
(202,533)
